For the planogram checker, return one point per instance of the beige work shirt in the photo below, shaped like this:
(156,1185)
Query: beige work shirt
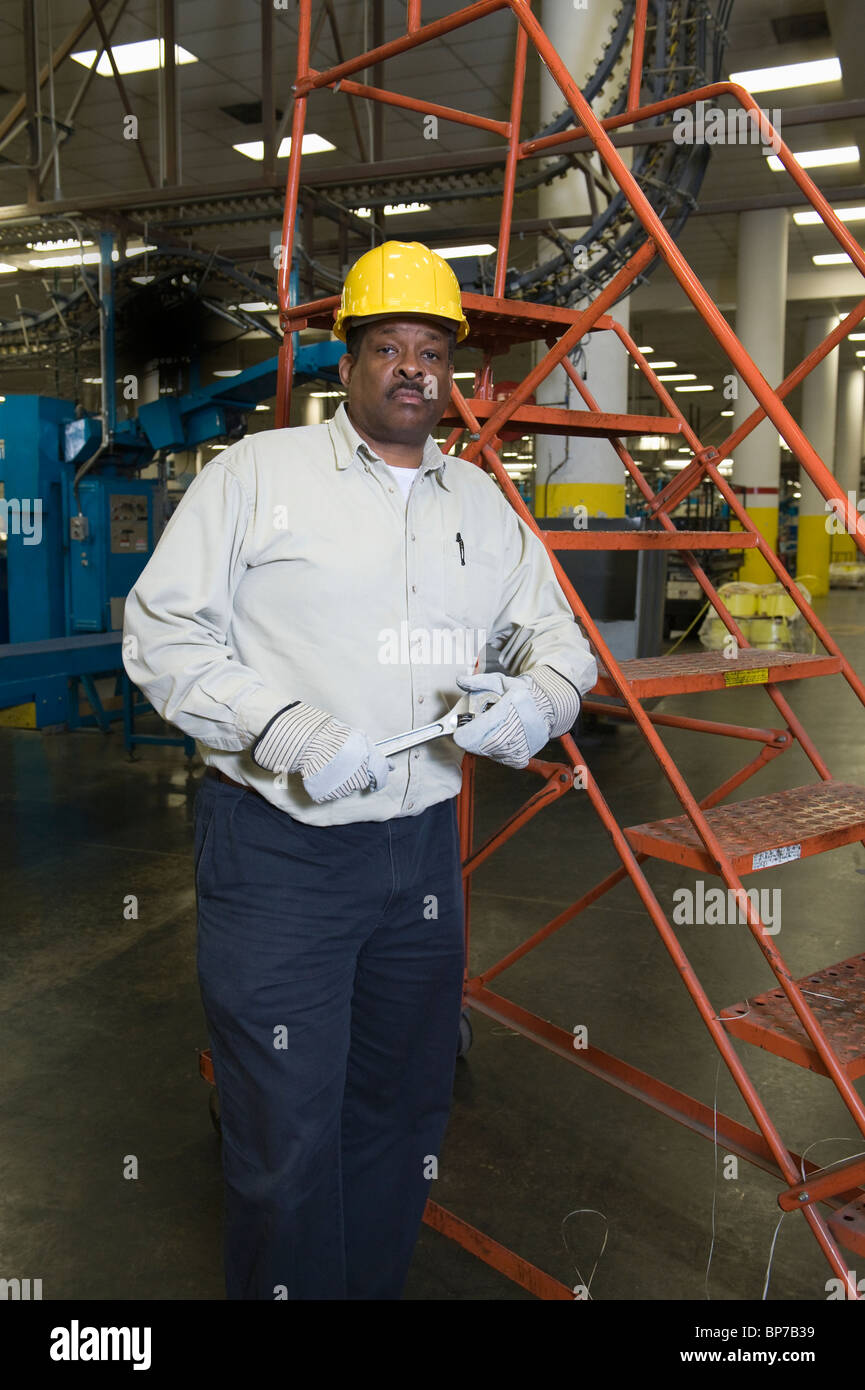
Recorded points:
(293,569)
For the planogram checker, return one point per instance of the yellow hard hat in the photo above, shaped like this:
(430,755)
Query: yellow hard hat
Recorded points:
(401,277)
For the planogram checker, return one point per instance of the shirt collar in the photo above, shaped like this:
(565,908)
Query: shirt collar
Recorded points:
(348,444)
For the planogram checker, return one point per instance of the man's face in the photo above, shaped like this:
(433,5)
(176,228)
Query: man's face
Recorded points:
(400,382)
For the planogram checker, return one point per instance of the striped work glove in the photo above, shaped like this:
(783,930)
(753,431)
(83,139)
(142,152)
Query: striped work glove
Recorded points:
(528,711)
(332,758)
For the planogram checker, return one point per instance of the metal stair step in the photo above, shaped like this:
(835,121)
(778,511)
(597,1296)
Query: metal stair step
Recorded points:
(763,831)
(836,994)
(675,675)
(650,540)
(547,419)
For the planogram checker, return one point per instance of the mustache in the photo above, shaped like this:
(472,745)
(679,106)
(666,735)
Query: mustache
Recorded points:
(406,386)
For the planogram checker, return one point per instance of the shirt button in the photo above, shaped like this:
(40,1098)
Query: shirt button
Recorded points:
(409,805)
(420,699)
(412,535)
(414,586)
(416,753)
(390,489)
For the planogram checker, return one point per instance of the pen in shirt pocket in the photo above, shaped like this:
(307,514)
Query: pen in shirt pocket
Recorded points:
(462,548)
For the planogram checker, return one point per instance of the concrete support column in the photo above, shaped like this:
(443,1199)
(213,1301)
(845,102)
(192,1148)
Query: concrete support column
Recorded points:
(848,449)
(312,410)
(819,401)
(761,301)
(575,472)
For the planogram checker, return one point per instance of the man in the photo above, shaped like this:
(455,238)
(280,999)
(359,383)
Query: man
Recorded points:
(269,625)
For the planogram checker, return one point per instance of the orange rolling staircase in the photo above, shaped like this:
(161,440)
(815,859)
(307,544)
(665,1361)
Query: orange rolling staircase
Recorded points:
(817,1021)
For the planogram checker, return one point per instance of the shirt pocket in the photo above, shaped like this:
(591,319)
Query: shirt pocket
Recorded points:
(471,589)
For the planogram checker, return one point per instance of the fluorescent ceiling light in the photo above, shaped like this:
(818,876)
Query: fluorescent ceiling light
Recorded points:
(674,463)
(259,408)
(84,257)
(818,159)
(694,388)
(217,446)
(81,258)
(779,79)
(311,144)
(326,395)
(394,209)
(726,412)
(143,279)
(229,371)
(679,376)
(832,258)
(856,337)
(811,218)
(464,376)
(92,380)
(69,244)
(651,441)
(659,366)
(254,306)
(6,269)
(648,350)
(453,253)
(860,354)
(143,56)
(684,450)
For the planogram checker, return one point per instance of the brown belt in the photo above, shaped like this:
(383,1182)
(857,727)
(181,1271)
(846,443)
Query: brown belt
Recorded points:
(224,777)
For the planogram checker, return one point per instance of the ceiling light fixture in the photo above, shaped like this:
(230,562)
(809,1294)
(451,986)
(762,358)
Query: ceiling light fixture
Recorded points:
(69,244)
(311,144)
(393,209)
(143,56)
(453,253)
(818,159)
(812,218)
(787,75)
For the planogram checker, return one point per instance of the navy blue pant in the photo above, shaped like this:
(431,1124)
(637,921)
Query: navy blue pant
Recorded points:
(330,960)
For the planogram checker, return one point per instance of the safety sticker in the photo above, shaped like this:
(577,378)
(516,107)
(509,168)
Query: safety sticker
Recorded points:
(758,676)
(768,857)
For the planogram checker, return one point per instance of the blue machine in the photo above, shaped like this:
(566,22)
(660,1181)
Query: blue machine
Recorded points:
(74,550)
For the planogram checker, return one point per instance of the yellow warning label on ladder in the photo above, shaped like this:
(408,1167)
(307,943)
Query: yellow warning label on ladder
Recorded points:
(758,676)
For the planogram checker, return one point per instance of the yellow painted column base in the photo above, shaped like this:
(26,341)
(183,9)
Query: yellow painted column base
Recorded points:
(755,570)
(812,555)
(18,716)
(845,549)
(607,499)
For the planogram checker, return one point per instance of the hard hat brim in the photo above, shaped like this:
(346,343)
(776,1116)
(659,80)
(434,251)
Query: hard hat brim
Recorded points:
(360,319)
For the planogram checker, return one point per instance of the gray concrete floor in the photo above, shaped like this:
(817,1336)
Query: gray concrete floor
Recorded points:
(100,1024)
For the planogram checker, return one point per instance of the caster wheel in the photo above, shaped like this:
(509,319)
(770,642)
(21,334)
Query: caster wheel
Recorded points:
(465,1035)
(213,1105)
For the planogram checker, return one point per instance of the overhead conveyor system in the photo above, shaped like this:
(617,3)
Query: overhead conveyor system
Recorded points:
(729,840)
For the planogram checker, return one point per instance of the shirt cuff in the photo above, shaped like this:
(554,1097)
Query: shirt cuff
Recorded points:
(557,698)
(281,744)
